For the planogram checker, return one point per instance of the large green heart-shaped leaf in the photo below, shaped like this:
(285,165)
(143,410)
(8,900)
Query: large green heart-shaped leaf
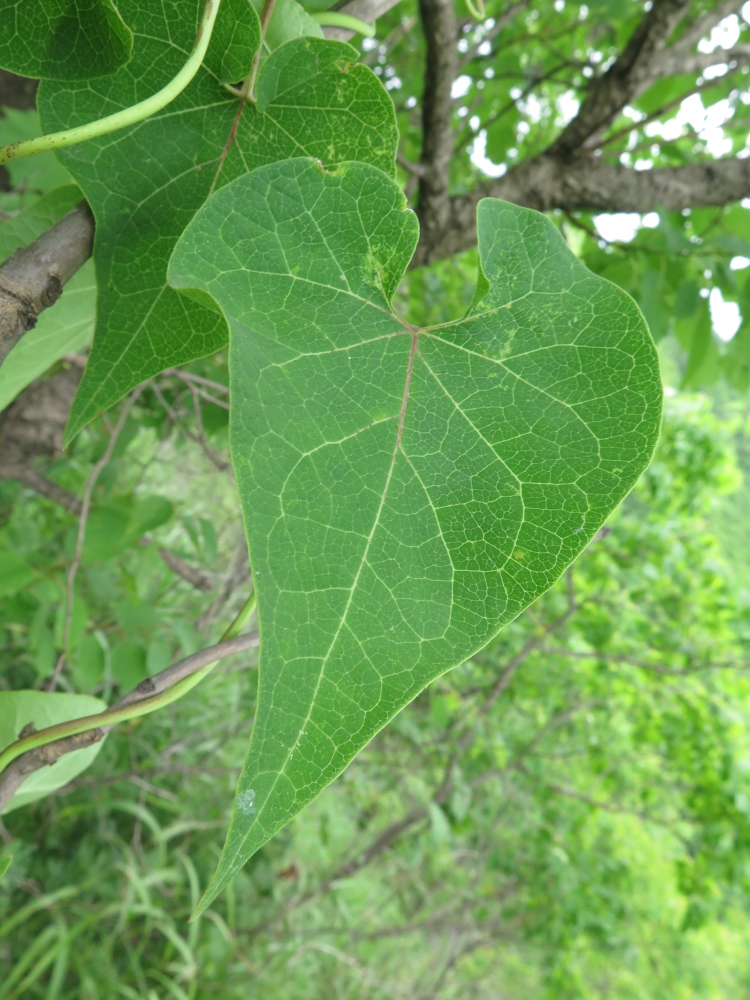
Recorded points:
(62,39)
(144,184)
(406,492)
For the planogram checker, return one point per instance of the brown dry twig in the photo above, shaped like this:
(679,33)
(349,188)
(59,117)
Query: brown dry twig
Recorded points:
(81,536)
(199,439)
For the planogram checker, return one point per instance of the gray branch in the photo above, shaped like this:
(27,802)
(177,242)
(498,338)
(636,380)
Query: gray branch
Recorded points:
(631,71)
(18,770)
(545,183)
(32,278)
(671,62)
(702,27)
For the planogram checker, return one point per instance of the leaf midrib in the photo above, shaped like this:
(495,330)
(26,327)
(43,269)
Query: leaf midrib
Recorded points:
(355,582)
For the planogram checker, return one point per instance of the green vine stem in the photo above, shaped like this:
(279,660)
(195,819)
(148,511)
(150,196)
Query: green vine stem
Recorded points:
(243,617)
(477,10)
(328,18)
(129,116)
(199,665)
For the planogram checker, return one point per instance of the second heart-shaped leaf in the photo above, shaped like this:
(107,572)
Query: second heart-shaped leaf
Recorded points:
(145,183)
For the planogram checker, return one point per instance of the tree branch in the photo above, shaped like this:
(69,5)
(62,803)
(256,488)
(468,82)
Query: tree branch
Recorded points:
(33,425)
(700,28)
(195,577)
(440,30)
(44,487)
(387,837)
(672,61)
(630,72)
(32,278)
(534,643)
(588,184)
(17,91)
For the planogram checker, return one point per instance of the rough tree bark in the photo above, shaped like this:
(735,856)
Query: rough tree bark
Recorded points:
(32,278)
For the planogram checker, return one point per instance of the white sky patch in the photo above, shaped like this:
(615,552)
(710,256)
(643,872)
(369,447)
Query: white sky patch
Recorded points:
(480,159)
(707,122)
(725,316)
(567,106)
(533,108)
(712,72)
(723,35)
(633,114)
(739,263)
(460,86)
(650,220)
(620,227)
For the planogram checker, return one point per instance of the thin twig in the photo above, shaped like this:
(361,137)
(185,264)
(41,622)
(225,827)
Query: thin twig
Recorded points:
(390,41)
(233,575)
(536,642)
(417,169)
(621,133)
(504,19)
(85,509)
(212,455)
(195,577)
(656,668)
(190,377)
(196,385)
(611,807)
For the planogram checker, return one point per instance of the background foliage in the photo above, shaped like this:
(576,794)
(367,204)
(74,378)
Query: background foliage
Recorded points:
(567,815)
